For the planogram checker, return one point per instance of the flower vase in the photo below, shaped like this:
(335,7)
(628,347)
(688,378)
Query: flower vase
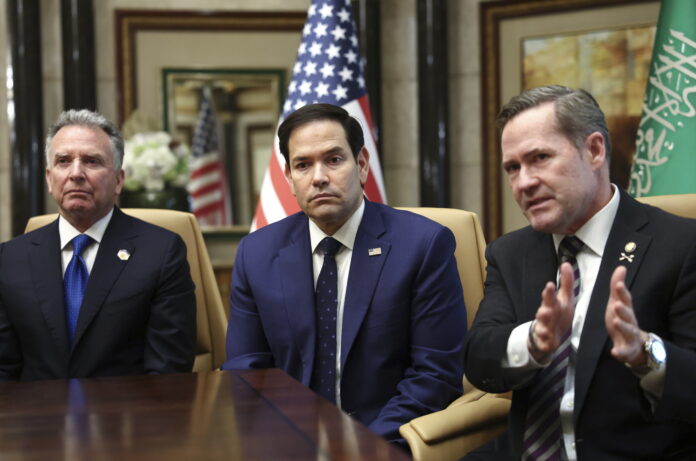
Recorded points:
(171,198)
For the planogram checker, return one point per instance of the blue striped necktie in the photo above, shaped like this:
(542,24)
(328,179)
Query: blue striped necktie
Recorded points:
(326,303)
(542,434)
(74,282)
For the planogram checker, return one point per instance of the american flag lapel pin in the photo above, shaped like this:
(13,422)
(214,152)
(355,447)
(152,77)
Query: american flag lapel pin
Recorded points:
(374,251)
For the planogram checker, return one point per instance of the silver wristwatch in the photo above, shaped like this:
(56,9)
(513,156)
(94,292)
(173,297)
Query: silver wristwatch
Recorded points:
(655,350)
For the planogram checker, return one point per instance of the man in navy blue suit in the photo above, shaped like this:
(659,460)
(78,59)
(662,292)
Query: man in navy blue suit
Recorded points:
(136,312)
(394,349)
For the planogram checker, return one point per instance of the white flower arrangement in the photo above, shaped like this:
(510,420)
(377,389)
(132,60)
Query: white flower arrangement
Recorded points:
(152,162)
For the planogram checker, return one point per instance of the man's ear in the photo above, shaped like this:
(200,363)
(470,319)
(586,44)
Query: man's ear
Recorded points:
(596,147)
(363,161)
(288,178)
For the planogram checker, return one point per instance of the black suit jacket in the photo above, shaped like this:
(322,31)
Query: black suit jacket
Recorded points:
(613,418)
(138,314)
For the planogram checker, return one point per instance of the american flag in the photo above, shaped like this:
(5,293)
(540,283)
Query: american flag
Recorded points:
(328,69)
(210,199)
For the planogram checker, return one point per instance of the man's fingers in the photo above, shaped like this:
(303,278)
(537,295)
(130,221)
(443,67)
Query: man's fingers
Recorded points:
(565,291)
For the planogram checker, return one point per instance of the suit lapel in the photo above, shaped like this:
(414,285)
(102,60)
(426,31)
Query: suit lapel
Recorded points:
(47,274)
(363,275)
(624,236)
(106,269)
(540,267)
(297,284)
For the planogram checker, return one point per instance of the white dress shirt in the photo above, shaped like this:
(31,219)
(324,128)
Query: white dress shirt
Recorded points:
(67,232)
(594,234)
(346,235)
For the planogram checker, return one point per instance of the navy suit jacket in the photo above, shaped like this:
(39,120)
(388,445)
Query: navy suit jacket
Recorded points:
(404,319)
(612,416)
(137,316)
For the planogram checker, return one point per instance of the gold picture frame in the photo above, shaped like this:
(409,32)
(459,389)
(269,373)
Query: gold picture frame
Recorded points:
(185,25)
(504,26)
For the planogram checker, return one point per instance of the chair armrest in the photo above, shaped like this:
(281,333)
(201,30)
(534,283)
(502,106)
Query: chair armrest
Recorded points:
(467,423)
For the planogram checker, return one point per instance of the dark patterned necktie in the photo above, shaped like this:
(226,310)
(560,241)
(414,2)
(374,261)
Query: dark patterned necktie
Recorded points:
(74,282)
(542,434)
(326,303)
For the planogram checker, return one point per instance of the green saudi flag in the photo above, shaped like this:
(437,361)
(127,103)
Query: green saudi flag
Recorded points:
(665,159)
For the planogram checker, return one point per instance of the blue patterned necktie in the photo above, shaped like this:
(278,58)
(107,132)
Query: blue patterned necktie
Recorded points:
(542,435)
(326,303)
(74,282)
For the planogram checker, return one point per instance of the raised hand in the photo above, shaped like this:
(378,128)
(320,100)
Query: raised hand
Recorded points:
(622,324)
(554,317)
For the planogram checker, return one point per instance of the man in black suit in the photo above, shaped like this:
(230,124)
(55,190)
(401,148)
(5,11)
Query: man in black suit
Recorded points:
(135,310)
(620,386)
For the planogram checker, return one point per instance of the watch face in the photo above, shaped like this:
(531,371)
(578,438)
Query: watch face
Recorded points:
(657,350)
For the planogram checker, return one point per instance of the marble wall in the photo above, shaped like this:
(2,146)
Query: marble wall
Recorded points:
(399,89)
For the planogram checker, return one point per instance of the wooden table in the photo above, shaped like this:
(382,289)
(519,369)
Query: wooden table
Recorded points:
(231,415)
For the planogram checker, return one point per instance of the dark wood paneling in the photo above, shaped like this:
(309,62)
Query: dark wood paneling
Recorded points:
(79,75)
(26,101)
(433,107)
(368,22)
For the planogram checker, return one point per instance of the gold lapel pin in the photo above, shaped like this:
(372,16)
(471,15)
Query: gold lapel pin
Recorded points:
(630,247)
(123,255)
(374,251)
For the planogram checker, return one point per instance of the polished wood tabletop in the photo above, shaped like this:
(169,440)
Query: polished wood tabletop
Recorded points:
(231,415)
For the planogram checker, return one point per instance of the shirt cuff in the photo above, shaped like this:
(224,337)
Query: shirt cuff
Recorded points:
(518,356)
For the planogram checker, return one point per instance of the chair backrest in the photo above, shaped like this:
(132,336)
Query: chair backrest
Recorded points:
(679,204)
(470,252)
(210,312)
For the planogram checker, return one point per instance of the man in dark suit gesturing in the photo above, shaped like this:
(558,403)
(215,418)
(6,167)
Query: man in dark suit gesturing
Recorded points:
(96,292)
(361,302)
(602,367)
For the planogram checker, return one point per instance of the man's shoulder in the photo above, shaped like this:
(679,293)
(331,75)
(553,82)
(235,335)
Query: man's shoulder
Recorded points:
(277,232)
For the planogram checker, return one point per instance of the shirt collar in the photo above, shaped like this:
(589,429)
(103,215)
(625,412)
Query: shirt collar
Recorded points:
(346,234)
(96,231)
(595,232)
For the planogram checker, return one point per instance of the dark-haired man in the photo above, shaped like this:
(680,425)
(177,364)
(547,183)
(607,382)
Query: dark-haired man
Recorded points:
(96,292)
(602,367)
(357,300)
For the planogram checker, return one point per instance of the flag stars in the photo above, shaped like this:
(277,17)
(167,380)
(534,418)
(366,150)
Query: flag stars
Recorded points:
(303,48)
(300,103)
(343,15)
(354,40)
(315,49)
(312,10)
(293,87)
(339,33)
(321,90)
(346,74)
(327,70)
(351,57)
(326,11)
(320,30)
(310,68)
(340,92)
(333,51)
(361,81)
(297,68)
(307,29)
(305,87)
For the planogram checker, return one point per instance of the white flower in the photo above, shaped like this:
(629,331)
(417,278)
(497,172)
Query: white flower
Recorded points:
(152,161)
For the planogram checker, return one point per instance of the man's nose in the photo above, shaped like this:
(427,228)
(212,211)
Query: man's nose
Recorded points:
(77,170)
(319,176)
(527,179)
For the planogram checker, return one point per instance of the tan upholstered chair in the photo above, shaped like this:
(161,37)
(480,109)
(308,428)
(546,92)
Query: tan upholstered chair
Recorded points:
(680,204)
(476,417)
(211,317)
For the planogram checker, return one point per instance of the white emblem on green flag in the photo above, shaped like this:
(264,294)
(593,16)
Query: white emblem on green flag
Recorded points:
(665,159)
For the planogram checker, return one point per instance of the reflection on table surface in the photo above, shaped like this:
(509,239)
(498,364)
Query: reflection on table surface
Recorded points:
(231,415)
